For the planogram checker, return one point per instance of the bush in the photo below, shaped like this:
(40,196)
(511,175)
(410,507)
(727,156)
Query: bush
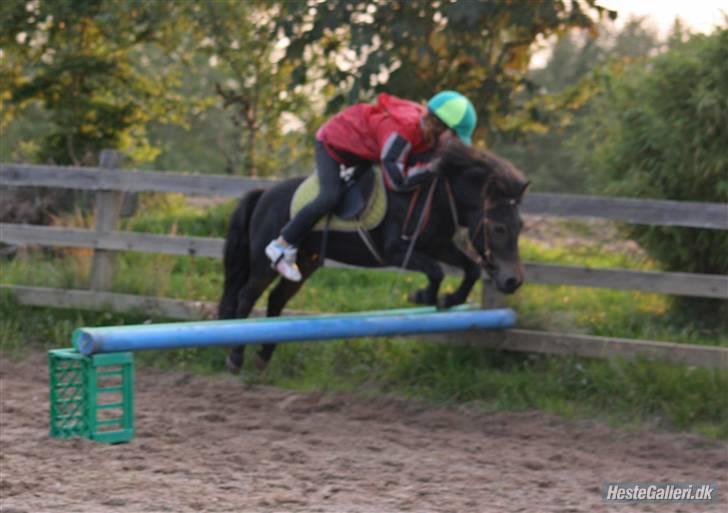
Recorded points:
(660,130)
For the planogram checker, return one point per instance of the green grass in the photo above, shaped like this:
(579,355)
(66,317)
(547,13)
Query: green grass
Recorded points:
(581,254)
(170,214)
(633,393)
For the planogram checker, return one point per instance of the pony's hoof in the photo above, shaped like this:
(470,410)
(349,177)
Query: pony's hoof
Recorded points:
(259,363)
(421,297)
(232,367)
(442,303)
(448,301)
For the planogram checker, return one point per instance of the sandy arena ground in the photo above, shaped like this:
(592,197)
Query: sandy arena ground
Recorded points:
(213,444)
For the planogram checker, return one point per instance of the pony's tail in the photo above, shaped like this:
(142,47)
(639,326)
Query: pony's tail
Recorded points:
(236,256)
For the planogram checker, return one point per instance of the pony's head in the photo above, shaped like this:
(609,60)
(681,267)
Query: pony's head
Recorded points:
(488,191)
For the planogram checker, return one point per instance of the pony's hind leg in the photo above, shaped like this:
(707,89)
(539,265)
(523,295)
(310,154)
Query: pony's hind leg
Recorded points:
(228,305)
(247,296)
(279,296)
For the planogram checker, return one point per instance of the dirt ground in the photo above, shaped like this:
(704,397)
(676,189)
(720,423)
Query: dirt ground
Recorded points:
(213,444)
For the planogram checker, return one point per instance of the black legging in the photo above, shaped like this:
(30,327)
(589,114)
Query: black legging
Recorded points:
(331,188)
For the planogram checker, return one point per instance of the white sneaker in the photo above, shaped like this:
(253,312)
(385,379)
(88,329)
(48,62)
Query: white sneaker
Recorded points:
(284,260)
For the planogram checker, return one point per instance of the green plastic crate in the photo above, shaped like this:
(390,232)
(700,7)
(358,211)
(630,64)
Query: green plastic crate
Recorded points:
(91,396)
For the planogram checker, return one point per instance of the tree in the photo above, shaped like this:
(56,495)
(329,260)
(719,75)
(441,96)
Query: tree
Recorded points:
(416,47)
(660,131)
(76,58)
(252,81)
(565,86)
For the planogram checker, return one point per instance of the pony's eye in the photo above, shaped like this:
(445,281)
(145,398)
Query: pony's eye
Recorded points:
(499,229)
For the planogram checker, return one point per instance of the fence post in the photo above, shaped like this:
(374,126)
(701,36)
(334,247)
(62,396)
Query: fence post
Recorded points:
(490,296)
(108,210)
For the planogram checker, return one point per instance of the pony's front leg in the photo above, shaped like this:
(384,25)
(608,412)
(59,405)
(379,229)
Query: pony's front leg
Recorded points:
(451,255)
(427,265)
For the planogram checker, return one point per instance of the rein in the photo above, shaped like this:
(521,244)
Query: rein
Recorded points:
(421,222)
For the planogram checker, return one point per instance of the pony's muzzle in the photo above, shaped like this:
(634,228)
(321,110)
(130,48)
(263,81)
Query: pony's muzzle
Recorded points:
(507,279)
(510,285)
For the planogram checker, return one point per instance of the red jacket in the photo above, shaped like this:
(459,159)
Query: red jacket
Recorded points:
(364,128)
(388,131)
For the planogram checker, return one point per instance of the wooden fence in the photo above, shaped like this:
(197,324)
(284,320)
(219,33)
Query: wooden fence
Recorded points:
(109,184)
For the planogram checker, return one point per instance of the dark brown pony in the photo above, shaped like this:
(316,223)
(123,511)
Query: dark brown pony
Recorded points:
(474,189)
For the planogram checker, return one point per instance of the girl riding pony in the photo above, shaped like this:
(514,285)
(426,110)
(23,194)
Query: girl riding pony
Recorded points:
(401,135)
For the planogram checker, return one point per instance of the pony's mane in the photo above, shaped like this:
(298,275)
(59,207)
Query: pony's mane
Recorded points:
(508,180)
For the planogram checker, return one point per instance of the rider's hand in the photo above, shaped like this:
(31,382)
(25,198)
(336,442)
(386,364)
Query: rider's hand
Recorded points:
(415,180)
(434,165)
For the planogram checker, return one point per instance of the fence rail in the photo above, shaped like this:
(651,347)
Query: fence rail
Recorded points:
(686,284)
(638,211)
(109,183)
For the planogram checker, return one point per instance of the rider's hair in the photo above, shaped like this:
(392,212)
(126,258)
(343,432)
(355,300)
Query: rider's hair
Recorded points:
(432,127)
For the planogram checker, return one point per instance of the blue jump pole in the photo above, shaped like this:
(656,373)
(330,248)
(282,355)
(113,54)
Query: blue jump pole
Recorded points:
(240,332)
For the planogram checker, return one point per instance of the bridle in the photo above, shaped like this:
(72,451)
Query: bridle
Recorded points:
(468,247)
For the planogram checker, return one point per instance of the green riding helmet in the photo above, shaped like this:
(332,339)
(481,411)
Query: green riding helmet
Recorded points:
(456,111)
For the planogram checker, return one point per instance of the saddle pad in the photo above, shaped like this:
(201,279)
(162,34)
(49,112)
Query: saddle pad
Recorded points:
(371,217)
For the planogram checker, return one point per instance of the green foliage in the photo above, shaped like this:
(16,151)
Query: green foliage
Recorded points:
(156,79)
(660,131)
(21,138)
(415,48)
(565,85)
(252,84)
(76,60)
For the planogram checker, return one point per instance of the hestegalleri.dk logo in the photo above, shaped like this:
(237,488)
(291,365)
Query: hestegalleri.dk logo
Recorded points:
(621,493)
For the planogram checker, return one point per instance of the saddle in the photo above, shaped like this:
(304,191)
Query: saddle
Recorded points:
(363,203)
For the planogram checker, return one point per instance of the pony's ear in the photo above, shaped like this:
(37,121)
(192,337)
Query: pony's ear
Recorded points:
(523,190)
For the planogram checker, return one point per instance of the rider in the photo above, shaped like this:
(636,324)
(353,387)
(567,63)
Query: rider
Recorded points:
(400,134)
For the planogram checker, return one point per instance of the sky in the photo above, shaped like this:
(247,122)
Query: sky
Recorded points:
(699,15)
